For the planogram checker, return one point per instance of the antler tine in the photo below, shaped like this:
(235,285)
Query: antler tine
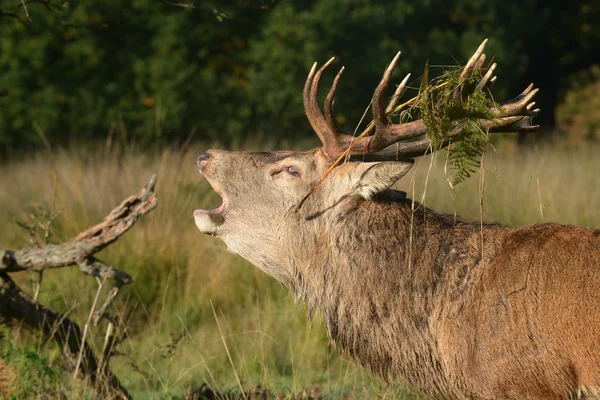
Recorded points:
(306,92)
(386,133)
(314,89)
(312,110)
(480,62)
(487,78)
(392,104)
(379,115)
(519,104)
(475,63)
(329,104)
(527,90)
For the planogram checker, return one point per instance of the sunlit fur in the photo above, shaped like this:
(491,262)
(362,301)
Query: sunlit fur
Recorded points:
(456,310)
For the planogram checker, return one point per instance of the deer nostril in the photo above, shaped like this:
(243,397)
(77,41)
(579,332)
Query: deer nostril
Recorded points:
(203,159)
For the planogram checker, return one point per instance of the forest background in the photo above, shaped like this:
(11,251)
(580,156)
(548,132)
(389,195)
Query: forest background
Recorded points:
(100,95)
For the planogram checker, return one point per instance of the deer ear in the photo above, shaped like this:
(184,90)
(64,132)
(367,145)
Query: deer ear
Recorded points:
(370,178)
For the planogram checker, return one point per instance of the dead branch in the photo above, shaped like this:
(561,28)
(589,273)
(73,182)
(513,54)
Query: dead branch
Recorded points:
(56,9)
(81,249)
(17,306)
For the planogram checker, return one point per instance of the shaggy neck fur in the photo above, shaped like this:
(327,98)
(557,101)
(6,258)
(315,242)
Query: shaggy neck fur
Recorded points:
(414,259)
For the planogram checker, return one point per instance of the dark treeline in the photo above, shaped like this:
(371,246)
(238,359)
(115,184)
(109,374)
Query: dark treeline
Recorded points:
(152,69)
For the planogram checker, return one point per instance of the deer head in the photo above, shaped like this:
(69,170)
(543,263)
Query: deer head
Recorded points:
(266,215)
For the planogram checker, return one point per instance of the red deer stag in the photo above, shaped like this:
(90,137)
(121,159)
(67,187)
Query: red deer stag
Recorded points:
(457,310)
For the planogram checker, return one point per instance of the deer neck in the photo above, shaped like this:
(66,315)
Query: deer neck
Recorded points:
(376,286)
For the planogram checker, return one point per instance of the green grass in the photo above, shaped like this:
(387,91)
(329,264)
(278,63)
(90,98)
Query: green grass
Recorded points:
(38,373)
(192,302)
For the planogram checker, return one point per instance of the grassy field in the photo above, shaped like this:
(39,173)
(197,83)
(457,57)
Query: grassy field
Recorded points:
(197,314)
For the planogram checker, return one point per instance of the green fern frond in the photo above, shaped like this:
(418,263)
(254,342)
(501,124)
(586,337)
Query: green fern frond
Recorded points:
(441,114)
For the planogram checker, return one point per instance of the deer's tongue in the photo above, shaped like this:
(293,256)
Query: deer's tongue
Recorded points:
(216,211)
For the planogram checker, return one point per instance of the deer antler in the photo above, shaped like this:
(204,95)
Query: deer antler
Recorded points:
(386,142)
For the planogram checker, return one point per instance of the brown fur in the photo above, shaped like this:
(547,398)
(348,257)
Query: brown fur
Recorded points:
(455,310)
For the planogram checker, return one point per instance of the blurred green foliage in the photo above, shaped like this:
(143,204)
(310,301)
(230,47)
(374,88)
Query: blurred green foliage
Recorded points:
(228,70)
(578,114)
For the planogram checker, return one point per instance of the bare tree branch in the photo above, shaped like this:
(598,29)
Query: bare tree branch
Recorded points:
(178,4)
(97,268)
(26,10)
(56,10)
(12,15)
(80,249)
(17,306)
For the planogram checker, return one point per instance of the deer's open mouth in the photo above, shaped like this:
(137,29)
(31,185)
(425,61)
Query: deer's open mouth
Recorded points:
(208,221)
(214,212)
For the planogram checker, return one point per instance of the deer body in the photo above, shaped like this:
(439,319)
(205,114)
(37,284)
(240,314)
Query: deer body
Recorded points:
(458,310)
(519,322)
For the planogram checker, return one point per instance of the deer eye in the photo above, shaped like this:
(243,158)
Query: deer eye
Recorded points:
(292,172)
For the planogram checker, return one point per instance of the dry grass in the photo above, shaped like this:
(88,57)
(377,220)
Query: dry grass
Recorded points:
(175,338)
(521,186)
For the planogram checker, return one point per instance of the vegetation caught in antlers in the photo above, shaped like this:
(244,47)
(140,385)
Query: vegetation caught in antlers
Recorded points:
(514,115)
(455,108)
